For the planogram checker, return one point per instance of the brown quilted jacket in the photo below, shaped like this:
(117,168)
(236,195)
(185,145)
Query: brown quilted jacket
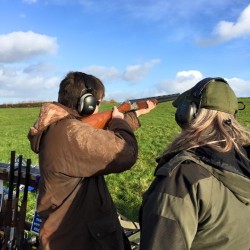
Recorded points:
(74,203)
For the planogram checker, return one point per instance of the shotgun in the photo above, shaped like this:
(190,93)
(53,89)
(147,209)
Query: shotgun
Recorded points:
(8,215)
(13,230)
(20,242)
(101,119)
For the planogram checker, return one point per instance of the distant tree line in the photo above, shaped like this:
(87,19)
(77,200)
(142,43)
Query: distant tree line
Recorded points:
(34,104)
(22,105)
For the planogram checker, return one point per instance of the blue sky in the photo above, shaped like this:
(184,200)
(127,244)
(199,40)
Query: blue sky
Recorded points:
(137,48)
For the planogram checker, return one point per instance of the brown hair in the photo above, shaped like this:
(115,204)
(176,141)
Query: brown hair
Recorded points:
(73,85)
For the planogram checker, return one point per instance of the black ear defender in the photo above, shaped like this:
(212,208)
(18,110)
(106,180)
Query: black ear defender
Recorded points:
(188,107)
(185,113)
(87,101)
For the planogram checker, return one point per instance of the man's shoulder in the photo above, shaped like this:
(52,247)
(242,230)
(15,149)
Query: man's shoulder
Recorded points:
(71,121)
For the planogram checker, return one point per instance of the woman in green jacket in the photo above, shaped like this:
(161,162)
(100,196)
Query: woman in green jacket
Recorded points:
(200,197)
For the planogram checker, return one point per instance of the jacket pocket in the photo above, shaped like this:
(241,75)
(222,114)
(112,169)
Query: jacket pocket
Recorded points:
(106,233)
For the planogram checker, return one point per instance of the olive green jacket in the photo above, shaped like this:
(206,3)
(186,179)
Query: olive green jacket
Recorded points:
(192,205)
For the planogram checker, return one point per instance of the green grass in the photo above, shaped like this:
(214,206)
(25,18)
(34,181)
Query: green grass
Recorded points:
(15,124)
(158,128)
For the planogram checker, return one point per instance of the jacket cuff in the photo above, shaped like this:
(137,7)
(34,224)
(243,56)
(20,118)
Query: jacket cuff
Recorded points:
(132,119)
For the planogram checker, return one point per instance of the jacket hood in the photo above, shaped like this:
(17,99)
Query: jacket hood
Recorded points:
(231,168)
(49,114)
(231,161)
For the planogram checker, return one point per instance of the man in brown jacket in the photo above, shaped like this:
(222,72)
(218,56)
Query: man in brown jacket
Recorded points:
(74,203)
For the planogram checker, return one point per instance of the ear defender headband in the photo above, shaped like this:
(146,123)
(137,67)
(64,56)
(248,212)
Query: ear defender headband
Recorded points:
(209,93)
(87,102)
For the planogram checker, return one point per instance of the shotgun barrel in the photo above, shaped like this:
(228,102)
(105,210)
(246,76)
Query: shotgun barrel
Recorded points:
(161,98)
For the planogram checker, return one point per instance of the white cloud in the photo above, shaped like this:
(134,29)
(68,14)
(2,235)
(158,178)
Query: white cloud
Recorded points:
(17,85)
(104,73)
(40,81)
(19,46)
(225,30)
(228,30)
(241,87)
(185,80)
(136,72)
(132,73)
(189,75)
(182,82)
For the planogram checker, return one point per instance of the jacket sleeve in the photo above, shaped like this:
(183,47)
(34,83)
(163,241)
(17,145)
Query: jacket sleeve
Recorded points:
(132,120)
(172,208)
(74,148)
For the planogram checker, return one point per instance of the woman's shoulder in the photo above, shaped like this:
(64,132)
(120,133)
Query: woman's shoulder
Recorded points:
(177,176)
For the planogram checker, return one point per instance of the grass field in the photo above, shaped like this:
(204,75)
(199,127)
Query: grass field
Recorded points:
(158,128)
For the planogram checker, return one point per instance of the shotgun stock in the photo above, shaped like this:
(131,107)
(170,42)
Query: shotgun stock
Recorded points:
(13,230)
(100,120)
(20,242)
